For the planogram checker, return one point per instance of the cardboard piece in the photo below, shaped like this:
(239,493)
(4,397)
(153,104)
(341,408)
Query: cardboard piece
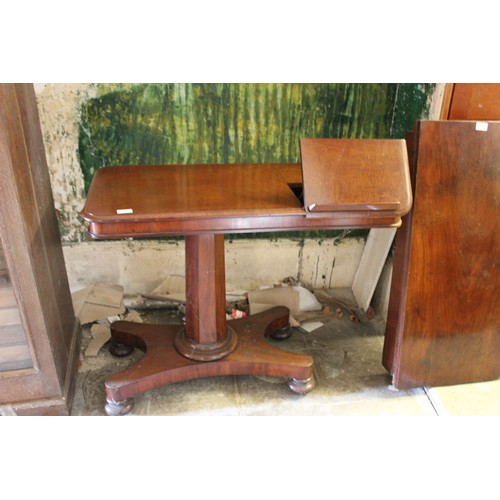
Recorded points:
(98,302)
(297,298)
(278,296)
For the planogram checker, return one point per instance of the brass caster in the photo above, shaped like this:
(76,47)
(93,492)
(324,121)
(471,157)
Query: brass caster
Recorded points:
(282,334)
(120,350)
(302,386)
(116,409)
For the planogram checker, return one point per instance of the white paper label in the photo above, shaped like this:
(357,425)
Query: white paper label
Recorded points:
(122,211)
(482,126)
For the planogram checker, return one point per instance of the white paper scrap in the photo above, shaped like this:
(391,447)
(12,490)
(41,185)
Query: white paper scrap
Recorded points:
(482,126)
(311,326)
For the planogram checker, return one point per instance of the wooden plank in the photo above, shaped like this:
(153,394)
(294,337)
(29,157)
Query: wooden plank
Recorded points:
(378,245)
(443,322)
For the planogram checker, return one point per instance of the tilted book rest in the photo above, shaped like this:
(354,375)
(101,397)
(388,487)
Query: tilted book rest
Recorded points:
(347,183)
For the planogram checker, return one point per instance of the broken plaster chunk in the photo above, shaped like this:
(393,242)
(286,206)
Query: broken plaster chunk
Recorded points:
(133,316)
(307,300)
(100,333)
(112,319)
(98,302)
(296,298)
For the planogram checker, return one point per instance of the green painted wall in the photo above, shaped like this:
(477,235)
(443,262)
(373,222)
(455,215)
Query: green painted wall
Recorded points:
(145,124)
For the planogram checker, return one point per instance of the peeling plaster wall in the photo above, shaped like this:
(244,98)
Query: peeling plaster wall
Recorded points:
(59,110)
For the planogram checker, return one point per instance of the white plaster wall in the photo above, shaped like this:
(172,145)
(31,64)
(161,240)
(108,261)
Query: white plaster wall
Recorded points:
(330,263)
(141,265)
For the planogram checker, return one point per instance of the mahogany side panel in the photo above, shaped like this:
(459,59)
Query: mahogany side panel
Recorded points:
(444,316)
(31,242)
(399,283)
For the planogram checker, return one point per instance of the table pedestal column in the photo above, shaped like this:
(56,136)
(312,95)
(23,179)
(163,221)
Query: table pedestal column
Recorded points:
(206,336)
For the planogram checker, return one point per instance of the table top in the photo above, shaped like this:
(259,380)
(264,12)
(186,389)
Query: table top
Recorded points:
(154,192)
(163,200)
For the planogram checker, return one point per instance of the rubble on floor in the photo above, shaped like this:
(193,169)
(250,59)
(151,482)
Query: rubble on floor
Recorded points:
(101,304)
(98,302)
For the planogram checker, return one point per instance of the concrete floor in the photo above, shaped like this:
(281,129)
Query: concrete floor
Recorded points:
(350,381)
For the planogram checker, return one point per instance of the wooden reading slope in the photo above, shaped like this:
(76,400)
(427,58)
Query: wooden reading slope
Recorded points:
(202,202)
(343,175)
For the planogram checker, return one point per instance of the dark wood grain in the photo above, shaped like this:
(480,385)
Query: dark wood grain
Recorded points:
(474,101)
(206,336)
(33,253)
(163,364)
(205,280)
(444,313)
(187,191)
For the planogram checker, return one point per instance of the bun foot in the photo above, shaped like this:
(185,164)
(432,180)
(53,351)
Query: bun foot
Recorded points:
(302,386)
(116,409)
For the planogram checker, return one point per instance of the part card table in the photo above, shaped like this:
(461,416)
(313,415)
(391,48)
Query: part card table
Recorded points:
(347,183)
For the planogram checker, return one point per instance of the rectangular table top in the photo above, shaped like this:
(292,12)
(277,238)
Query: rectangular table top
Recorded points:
(155,192)
(162,200)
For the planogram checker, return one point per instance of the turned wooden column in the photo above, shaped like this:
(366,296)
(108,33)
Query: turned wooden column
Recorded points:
(206,336)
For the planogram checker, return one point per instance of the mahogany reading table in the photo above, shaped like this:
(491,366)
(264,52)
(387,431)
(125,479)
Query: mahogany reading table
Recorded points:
(346,183)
